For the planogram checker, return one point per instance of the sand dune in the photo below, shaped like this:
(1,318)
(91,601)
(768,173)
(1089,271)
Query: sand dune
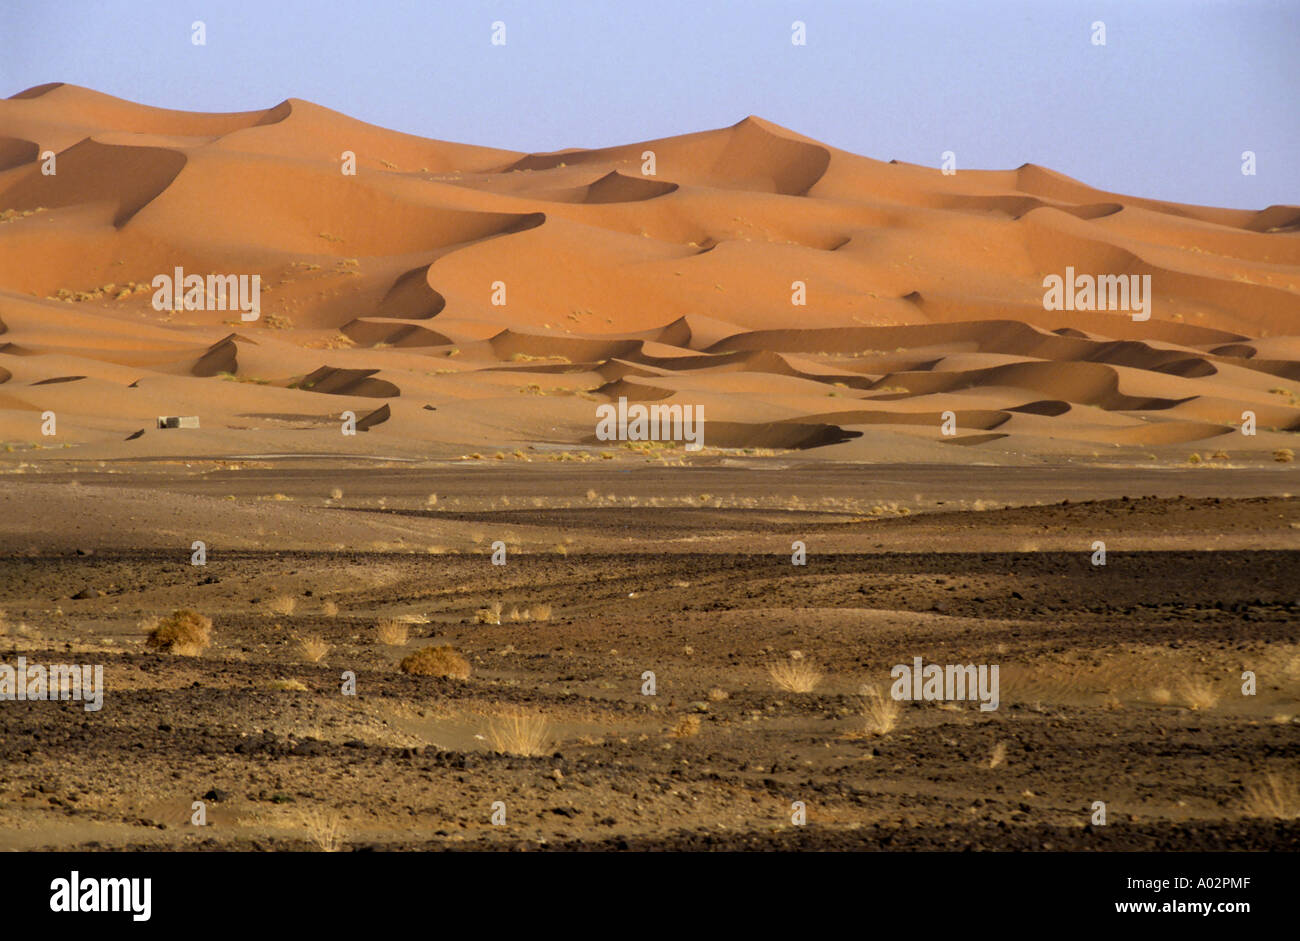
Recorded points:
(494,299)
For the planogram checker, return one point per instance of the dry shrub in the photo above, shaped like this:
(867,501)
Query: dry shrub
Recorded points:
(795,676)
(1272,798)
(879,711)
(329,609)
(284,604)
(392,633)
(541,612)
(526,734)
(999,755)
(718,694)
(442,660)
(686,727)
(313,648)
(184,632)
(1197,694)
(323,827)
(489,615)
(287,686)
(1284,455)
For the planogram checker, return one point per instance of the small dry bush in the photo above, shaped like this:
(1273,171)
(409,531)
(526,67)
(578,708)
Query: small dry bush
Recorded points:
(541,612)
(442,660)
(323,827)
(999,755)
(686,727)
(1272,798)
(184,632)
(287,686)
(489,615)
(526,734)
(879,711)
(329,609)
(284,604)
(1197,694)
(1284,455)
(392,633)
(795,676)
(313,648)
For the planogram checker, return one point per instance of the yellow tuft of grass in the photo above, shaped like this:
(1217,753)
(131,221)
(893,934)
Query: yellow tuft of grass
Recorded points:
(1284,455)
(184,632)
(442,660)
(287,686)
(323,827)
(313,648)
(526,734)
(795,676)
(686,727)
(1196,694)
(489,615)
(541,612)
(879,711)
(392,633)
(329,609)
(999,755)
(1272,798)
(284,604)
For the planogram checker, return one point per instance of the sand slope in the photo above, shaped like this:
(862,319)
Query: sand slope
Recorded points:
(455,297)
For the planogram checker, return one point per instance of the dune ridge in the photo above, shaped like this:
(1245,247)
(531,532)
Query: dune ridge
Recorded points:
(492,298)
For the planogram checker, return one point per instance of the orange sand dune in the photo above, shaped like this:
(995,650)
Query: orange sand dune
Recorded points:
(454,298)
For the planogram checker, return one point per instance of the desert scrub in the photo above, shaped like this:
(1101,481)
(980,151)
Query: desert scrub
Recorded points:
(392,633)
(880,712)
(313,649)
(686,727)
(527,734)
(1272,798)
(184,632)
(442,660)
(284,604)
(794,676)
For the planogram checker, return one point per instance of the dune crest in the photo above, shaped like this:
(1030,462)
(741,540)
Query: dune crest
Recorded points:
(805,297)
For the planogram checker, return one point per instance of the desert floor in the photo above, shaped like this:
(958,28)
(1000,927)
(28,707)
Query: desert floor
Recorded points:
(1119,683)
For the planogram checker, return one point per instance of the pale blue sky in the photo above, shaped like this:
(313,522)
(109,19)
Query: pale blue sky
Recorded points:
(1163,110)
